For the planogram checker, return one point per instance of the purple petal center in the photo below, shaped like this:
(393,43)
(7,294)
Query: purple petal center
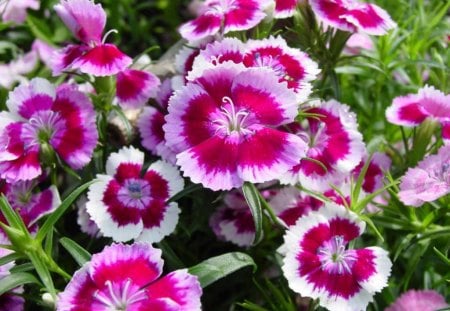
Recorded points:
(335,259)
(135,193)
(42,127)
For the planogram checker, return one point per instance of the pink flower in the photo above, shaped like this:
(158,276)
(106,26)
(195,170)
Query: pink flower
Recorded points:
(42,116)
(319,265)
(224,16)
(223,127)
(357,43)
(373,179)
(151,122)
(31,204)
(86,21)
(353,16)
(126,204)
(419,300)
(285,8)
(44,51)
(333,139)
(135,87)
(87,225)
(127,277)
(17,69)
(15,11)
(428,181)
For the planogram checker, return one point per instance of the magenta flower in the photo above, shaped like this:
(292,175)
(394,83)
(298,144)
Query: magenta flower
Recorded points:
(285,8)
(86,21)
(353,16)
(29,202)
(16,11)
(428,181)
(40,115)
(126,204)
(127,277)
(223,127)
(373,179)
(151,122)
(224,16)
(135,87)
(334,140)
(233,221)
(289,204)
(319,265)
(419,300)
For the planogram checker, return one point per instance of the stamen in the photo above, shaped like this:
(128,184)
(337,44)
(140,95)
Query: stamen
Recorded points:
(107,34)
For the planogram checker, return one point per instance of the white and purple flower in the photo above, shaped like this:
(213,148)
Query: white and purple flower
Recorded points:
(223,127)
(86,21)
(130,204)
(224,16)
(353,16)
(428,181)
(127,277)
(41,115)
(319,265)
(419,300)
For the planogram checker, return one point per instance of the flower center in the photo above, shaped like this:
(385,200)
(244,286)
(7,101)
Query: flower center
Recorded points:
(119,297)
(135,193)
(271,62)
(335,259)
(231,120)
(223,6)
(42,127)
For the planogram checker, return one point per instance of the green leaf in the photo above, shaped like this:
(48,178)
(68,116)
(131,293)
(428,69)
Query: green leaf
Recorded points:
(12,217)
(43,272)
(189,189)
(77,252)
(56,215)
(16,279)
(215,268)
(8,258)
(39,28)
(252,197)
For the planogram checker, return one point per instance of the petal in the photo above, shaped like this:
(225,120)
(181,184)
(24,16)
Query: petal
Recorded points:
(85,19)
(164,179)
(126,155)
(139,262)
(235,224)
(424,300)
(102,60)
(369,18)
(284,8)
(446,132)
(205,25)
(150,125)
(42,203)
(63,59)
(26,99)
(330,12)
(25,167)
(179,287)
(372,268)
(135,87)
(243,15)
(77,141)
(435,103)
(406,111)
(160,219)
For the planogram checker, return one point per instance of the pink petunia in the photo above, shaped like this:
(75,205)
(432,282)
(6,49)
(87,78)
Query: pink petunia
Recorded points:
(333,139)
(135,87)
(15,11)
(86,21)
(41,116)
(128,277)
(224,16)
(419,300)
(353,16)
(319,265)
(223,127)
(428,181)
(127,203)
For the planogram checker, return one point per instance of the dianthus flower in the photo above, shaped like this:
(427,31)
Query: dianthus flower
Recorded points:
(16,10)
(127,277)
(428,181)
(41,116)
(319,265)
(223,126)
(333,139)
(285,8)
(224,16)
(135,87)
(353,16)
(419,300)
(86,21)
(128,204)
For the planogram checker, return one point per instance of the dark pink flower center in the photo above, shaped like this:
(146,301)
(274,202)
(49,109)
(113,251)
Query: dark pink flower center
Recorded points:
(335,259)
(120,296)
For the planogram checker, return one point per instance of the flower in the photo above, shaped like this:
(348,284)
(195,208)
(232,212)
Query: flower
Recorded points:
(31,204)
(428,181)
(357,43)
(126,204)
(16,11)
(333,139)
(285,8)
(42,117)
(419,300)
(353,16)
(87,225)
(86,21)
(135,87)
(319,265)
(223,127)
(233,221)
(17,69)
(224,16)
(127,277)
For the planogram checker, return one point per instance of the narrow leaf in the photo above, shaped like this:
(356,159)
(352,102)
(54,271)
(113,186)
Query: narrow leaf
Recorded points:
(16,279)
(251,195)
(215,268)
(78,253)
